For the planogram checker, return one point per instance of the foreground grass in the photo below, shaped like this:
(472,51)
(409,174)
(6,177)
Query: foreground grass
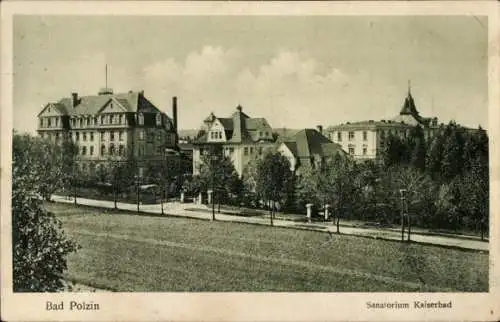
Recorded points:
(124,252)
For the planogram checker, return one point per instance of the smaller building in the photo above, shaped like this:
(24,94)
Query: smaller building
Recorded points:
(239,137)
(309,147)
(366,139)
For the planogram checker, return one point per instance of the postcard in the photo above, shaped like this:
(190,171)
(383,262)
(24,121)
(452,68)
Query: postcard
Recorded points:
(250,161)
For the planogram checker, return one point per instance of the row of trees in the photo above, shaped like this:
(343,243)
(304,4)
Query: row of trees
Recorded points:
(446,179)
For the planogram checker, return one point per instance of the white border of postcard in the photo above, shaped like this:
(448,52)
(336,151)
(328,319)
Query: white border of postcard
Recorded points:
(247,306)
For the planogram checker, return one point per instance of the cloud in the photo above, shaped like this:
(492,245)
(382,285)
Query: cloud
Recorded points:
(289,89)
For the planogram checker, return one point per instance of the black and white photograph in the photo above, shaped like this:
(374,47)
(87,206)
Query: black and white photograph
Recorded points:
(240,153)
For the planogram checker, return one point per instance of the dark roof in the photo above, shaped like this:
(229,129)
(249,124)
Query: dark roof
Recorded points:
(92,104)
(309,142)
(227,123)
(239,128)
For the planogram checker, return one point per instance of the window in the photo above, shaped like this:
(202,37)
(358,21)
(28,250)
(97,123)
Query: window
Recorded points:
(141,119)
(339,136)
(120,119)
(111,119)
(77,136)
(84,150)
(102,119)
(91,136)
(382,134)
(260,133)
(48,122)
(91,150)
(365,149)
(102,135)
(57,121)
(260,150)
(111,149)
(120,135)
(351,149)
(365,136)
(251,150)
(245,151)
(220,135)
(73,122)
(351,135)
(231,150)
(80,122)
(103,149)
(141,135)
(84,136)
(121,150)
(158,119)
(111,136)
(57,136)
(88,121)
(95,120)
(141,151)
(267,134)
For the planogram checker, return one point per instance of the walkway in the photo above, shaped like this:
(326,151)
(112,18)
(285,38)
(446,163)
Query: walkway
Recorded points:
(179,209)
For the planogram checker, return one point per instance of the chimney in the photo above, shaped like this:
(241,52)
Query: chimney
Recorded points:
(320,128)
(239,108)
(74,100)
(174,112)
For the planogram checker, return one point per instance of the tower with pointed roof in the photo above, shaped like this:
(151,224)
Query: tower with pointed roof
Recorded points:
(365,139)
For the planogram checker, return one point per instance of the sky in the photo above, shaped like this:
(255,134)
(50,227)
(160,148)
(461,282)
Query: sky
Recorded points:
(296,71)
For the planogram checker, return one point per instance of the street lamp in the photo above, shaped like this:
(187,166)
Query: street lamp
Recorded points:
(137,179)
(402,193)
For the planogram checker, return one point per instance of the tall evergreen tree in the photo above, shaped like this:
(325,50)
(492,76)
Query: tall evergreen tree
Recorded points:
(417,147)
(452,162)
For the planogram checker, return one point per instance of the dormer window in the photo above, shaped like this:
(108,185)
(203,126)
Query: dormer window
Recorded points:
(141,119)
(158,119)
(102,119)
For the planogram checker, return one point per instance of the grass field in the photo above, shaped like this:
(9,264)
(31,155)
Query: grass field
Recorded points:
(125,252)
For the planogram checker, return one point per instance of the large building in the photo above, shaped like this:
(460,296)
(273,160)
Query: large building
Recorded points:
(365,140)
(110,126)
(239,136)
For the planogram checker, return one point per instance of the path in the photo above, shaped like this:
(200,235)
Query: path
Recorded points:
(179,209)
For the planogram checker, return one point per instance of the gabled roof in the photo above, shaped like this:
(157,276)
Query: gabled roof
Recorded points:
(239,128)
(59,107)
(309,142)
(92,104)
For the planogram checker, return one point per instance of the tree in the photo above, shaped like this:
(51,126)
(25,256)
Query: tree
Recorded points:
(420,192)
(52,161)
(417,147)
(39,245)
(222,176)
(121,175)
(394,151)
(474,190)
(452,162)
(273,180)
(342,185)
(434,156)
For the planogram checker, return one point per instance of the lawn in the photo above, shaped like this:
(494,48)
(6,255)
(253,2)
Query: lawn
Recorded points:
(125,252)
